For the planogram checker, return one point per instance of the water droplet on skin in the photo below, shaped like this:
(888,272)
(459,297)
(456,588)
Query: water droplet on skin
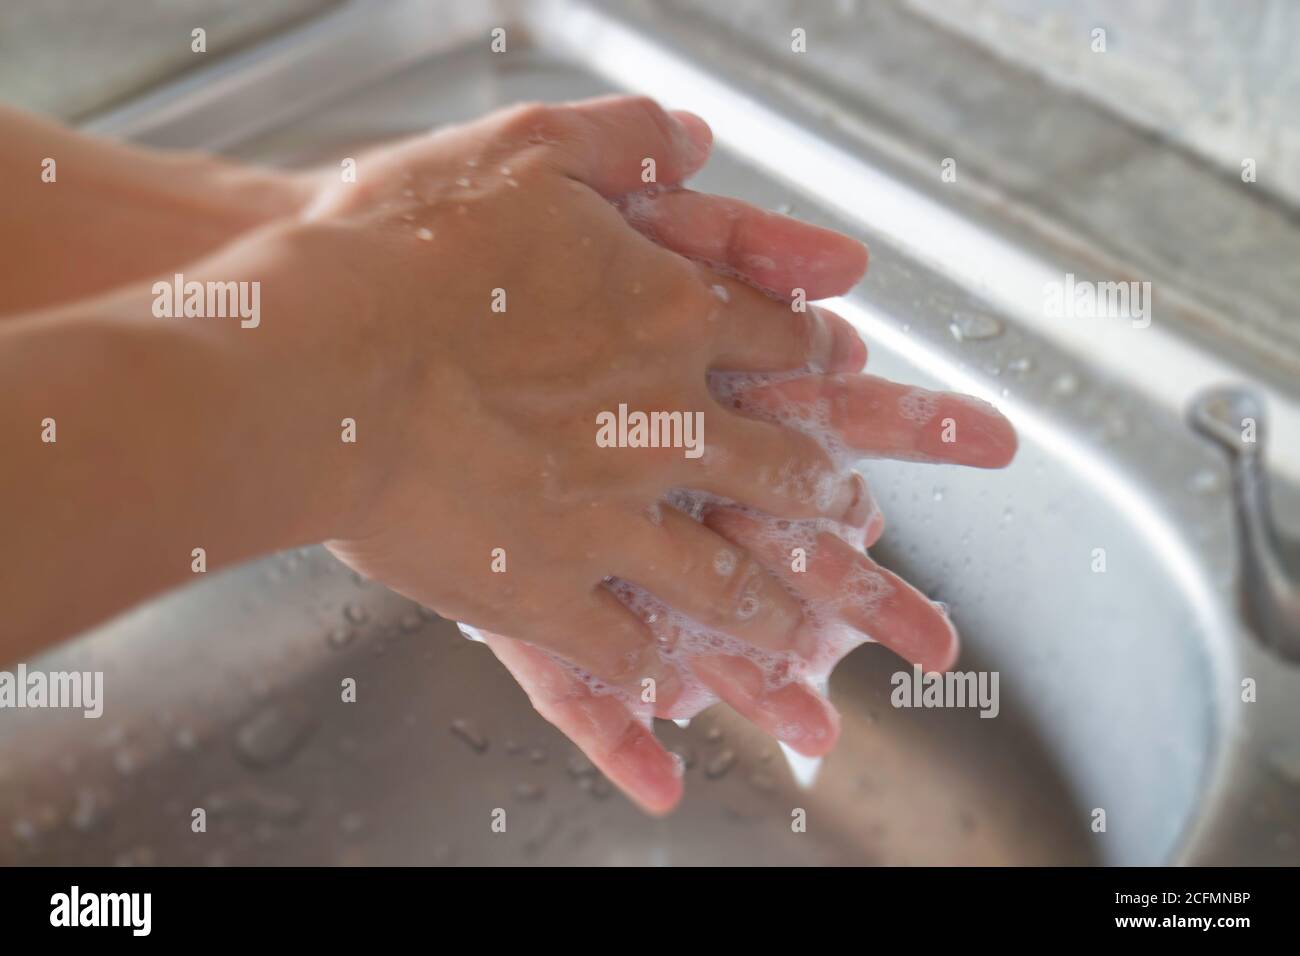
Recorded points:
(636,288)
(472,163)
(408,193)
(463,182)
(470,734)
(424,234)
(512,183)
(720,764)
(974,326)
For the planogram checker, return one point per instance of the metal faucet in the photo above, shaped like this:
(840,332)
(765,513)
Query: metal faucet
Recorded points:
(1270,566)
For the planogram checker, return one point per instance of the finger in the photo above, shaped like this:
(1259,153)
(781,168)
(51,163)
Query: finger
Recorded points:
(771,251)
(714,582)
(756,334)
(794,714)
(885,419)
(612,143)
(771,468)
(603,638)
(600,726)
(872,600)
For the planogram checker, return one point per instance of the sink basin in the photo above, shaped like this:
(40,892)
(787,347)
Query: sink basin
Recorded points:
(1121,689)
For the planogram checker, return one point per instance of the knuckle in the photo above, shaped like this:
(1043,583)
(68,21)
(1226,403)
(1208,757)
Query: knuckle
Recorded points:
(539,123)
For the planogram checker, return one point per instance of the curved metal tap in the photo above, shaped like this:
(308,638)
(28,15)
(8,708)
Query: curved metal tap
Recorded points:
(1270,565)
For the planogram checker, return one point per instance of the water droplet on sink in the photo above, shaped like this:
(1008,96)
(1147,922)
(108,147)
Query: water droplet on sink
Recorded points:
(529,792)
(1020,365)
(974,326)
(355,613)
(720,764)
(1205,482)
(341,636)
(467,731)
(273,736)
(938,494)
(1065,384)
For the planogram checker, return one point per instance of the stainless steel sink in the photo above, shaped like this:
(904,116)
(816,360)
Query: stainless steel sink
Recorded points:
(1121,690)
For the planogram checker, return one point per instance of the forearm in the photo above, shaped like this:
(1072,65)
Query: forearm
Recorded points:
(84,215)
(131,440)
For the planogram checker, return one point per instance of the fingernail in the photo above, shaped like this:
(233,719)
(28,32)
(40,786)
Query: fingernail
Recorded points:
(848,351)
(696,132)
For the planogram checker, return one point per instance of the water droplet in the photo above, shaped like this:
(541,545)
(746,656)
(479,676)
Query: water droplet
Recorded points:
(1205,482)
(1065,384)
(537,755)
(938,494)
(424,233)
(530,792)
(410,623)
(273,736)
(355,613)
(1020,365)
(341,636)
(125,762)
(974,326)
(579,766)
(463,182)
(470,734)
(720,764)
